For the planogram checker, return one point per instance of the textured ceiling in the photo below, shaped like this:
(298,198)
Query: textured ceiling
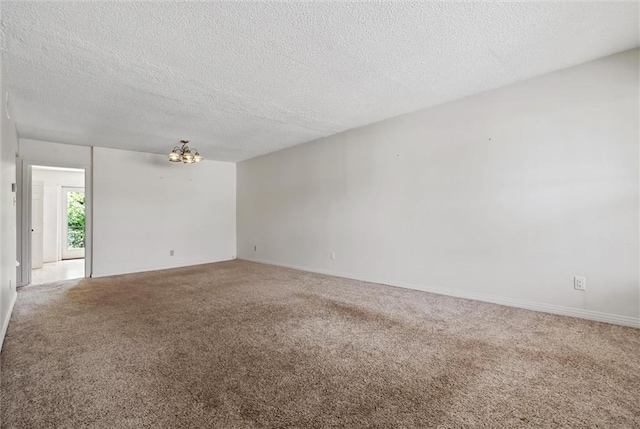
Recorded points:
(244,79)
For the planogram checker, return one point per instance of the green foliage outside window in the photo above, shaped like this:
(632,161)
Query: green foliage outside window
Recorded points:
(75,220)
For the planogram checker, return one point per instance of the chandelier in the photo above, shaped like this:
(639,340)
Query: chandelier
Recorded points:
(184,154)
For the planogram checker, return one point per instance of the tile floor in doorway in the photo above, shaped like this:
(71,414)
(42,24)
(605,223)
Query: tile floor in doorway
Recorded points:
(56,271)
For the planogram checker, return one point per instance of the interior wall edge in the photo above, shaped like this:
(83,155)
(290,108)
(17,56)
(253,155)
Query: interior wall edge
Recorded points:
(7,318)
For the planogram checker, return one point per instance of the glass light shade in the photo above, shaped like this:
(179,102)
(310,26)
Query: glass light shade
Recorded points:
(187,155)
(188,160)
(197,157)
(174,156)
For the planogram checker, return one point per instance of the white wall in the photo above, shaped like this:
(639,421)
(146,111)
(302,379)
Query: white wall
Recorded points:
(145,206)
(8,146)
(53,181)
(503,196)
(40,152)
(128,225)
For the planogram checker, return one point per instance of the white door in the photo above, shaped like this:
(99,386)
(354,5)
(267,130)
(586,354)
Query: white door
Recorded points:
(37,222)
(73,223)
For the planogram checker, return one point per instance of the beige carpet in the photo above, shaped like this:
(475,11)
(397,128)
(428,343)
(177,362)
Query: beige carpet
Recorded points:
(241,345)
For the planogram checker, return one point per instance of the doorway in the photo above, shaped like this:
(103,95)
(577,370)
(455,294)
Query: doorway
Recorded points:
(58,224)
(73,223)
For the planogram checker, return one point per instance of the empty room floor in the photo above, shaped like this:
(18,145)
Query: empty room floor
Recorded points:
(239,344)
(56,271)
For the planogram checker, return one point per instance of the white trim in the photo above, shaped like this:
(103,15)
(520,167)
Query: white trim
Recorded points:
(5,322)
(158,268)
(597,316)
(44,167)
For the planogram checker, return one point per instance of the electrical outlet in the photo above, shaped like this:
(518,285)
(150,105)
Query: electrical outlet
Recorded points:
(171,253)
(332,255)
(580,283)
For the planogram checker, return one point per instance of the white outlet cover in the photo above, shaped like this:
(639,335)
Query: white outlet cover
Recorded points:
(580,283)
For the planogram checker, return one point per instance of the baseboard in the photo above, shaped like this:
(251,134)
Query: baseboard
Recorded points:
(157,268)
(5,322)
(597,316)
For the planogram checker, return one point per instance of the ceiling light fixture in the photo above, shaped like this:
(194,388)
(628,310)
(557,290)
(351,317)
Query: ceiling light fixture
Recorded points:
(184,154)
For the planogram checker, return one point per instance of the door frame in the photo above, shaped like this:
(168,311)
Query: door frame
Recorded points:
(24,180)
(34,250)
(63,218)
